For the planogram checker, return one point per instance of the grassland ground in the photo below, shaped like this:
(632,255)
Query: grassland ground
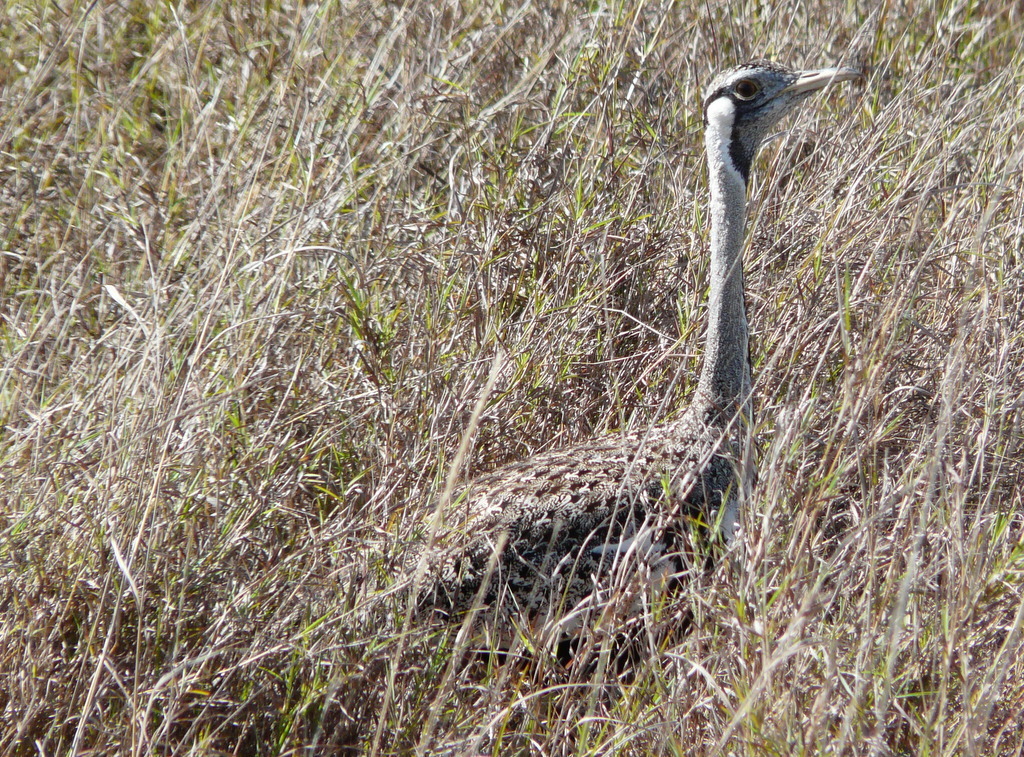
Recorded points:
(259,261)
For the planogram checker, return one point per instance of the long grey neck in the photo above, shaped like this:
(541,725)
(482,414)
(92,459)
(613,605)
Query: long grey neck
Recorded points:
(725,377)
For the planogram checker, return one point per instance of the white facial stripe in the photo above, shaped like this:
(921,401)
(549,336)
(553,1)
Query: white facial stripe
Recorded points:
(721,115)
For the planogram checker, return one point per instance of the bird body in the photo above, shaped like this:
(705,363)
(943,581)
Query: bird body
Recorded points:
(561,517)
(543,537)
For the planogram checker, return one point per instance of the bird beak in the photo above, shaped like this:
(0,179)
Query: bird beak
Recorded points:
(809,81)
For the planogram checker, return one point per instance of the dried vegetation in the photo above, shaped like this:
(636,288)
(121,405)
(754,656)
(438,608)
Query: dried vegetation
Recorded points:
(257,264)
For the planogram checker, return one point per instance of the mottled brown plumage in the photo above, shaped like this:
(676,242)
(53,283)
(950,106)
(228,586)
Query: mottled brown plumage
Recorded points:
(563,516)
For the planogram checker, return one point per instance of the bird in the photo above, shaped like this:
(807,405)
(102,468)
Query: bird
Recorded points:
(550,538)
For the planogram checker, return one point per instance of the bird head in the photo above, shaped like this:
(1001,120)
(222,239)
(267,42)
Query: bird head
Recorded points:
(743,103)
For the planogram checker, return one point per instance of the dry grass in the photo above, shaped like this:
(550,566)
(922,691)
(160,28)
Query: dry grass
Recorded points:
(257,263)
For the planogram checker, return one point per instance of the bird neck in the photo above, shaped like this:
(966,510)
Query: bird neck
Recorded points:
(725,377)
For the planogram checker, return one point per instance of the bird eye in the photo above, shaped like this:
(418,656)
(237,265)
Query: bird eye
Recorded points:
(746,89)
